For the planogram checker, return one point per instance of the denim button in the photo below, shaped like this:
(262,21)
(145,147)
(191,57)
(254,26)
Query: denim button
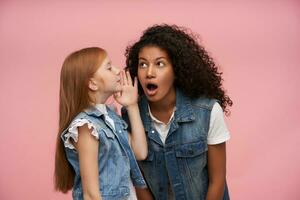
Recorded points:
(152,131)
(120,131)
(190,152)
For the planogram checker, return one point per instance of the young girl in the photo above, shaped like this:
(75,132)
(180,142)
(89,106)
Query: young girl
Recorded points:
(93,154)
(181,109)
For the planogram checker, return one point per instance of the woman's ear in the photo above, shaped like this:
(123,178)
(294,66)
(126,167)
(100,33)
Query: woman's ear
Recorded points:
(92,85)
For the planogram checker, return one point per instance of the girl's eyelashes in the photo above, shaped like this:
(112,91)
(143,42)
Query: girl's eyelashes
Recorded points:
(108,66)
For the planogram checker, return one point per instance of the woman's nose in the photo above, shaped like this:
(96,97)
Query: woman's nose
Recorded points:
(151,72)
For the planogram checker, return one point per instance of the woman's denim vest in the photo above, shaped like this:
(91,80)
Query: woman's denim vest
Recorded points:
(183,157)
(116,160)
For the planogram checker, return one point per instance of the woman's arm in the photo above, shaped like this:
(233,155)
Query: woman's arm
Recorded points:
(87,148)
(143,194)
(216,171)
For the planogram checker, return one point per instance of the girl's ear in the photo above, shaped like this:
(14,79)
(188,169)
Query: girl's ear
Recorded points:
(92,85)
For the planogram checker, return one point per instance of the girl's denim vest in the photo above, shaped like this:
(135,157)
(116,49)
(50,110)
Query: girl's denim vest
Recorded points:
(183,157)
(116,160)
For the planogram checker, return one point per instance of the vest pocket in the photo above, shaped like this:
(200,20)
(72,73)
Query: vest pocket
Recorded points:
(192,160)
(191,149)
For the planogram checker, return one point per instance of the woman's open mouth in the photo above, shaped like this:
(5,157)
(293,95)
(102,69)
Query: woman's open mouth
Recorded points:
(151,89)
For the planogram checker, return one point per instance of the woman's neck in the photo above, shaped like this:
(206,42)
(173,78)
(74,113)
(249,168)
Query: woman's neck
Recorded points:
(162,106)
(163,110)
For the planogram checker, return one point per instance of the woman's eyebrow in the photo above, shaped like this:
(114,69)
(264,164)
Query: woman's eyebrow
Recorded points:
(142,58)
(162,57)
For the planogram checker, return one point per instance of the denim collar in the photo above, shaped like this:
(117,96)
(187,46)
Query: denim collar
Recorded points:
(112,113)
(183,109)
(93,111)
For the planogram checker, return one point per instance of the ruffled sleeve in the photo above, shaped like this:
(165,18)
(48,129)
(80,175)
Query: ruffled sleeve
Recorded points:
(72,132)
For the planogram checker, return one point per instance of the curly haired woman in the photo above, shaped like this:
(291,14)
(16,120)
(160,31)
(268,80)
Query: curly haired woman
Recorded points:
(181,106)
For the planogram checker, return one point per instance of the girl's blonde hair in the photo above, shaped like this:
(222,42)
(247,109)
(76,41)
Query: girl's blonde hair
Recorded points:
(76,71)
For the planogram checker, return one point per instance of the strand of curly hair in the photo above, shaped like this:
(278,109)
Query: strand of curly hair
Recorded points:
(196,73)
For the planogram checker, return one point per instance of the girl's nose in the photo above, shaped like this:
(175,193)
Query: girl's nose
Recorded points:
(116,70)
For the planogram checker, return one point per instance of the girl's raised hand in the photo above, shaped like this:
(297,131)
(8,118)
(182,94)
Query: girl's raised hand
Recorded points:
(129,93)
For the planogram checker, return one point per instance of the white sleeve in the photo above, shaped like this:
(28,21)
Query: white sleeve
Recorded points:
(218,132)
(73,132)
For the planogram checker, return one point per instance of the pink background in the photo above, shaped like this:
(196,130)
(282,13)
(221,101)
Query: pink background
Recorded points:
(256,44)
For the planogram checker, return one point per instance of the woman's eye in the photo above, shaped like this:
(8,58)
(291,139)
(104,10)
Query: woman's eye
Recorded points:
(161,64)
(143,65)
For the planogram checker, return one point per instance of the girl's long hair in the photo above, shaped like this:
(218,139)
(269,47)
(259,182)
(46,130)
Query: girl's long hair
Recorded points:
(76,70)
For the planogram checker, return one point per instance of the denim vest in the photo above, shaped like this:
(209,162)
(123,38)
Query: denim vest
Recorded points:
(182,160)
(116,161)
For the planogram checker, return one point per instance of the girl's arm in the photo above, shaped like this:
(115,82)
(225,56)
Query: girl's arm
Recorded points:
(216,171)
(87,148)
(128,97)
(137,138)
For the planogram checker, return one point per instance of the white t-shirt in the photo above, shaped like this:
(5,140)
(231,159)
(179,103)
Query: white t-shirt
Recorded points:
(217,133)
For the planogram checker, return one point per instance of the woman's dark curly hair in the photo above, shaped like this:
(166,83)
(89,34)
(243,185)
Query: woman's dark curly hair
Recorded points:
(196,74)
